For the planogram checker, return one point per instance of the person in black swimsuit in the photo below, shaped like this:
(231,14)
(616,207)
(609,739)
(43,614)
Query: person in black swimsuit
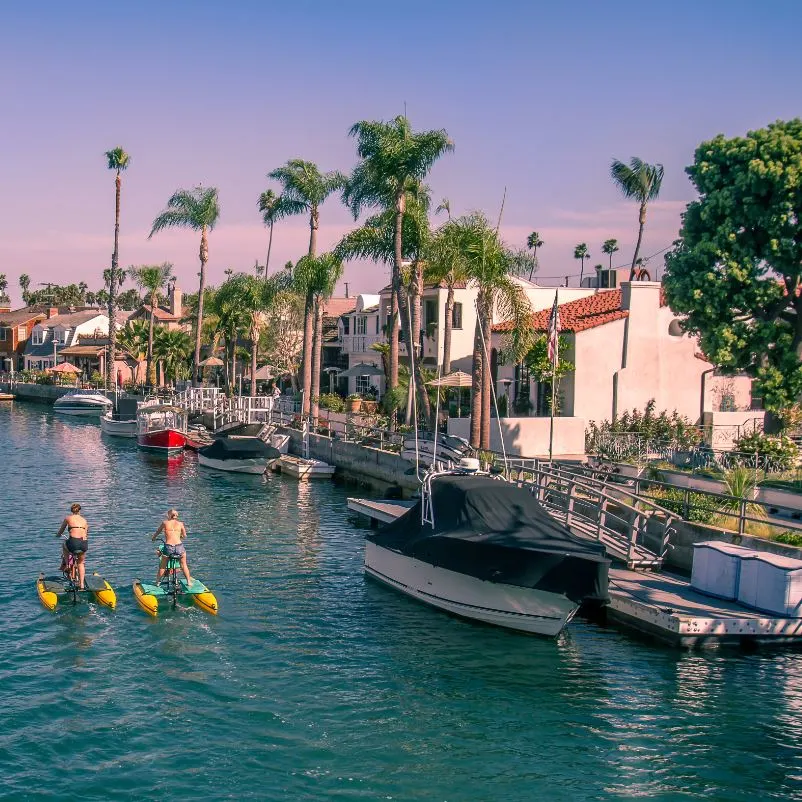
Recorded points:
(77,542)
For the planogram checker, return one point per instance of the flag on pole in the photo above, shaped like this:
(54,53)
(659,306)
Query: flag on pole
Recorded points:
(554,330)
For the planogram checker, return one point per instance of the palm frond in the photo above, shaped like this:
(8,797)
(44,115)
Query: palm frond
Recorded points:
(118,159)
(189,208)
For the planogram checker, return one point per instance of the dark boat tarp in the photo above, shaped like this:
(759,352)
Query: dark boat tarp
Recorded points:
(226,448)
(496,531)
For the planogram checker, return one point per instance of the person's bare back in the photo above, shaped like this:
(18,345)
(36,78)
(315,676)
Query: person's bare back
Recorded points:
(174,532)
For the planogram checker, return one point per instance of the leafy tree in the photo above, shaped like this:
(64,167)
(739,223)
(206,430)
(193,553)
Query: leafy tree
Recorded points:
(117,160)
(128,300)
(642,182)
(151,279)
(541,367)
(25,283)
(736,271)
(610,247)
(305,189)
(133,338)
(282,335)
(172,348)
(3,287)
(533,242)
(581,252)
(197,209)
(233,320)
(394,160)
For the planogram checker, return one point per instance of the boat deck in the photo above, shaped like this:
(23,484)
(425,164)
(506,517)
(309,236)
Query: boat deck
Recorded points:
(658,604)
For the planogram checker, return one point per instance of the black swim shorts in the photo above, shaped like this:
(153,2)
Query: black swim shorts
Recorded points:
(77,545)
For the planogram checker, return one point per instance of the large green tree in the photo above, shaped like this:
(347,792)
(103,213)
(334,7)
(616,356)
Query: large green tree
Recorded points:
(117,160)
(172,348)
(393,161)
(641,182)
(736,271)
(151,279)
(304,189)
(199,210)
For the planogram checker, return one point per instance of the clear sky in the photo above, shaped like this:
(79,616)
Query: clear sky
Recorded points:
(537,97)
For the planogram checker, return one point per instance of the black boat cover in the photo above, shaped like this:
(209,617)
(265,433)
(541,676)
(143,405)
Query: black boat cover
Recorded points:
(496,531)
(225,448)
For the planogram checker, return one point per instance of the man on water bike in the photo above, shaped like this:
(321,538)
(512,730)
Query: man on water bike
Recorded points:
(174,532)
(77,542)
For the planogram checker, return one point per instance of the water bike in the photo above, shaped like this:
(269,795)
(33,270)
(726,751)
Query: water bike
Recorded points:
(53,588)
(173,587)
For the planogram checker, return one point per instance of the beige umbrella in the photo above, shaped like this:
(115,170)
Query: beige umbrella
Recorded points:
(211,362)
(456,379)
(65,367)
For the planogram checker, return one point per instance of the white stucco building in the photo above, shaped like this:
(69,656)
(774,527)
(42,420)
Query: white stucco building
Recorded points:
(50,336)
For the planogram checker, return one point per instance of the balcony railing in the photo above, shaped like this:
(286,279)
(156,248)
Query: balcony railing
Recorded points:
(359,343)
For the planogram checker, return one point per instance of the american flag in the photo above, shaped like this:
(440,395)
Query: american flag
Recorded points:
(554,330)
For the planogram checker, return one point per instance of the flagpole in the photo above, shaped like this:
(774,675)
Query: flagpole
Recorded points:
(554,377)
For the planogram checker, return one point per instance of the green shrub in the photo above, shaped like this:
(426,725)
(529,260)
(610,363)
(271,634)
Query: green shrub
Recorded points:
(701,508)
(789,538)
(780,453)
(332,402)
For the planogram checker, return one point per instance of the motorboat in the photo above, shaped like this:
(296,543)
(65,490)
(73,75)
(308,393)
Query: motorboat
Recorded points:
(242,455)
(198,437)
(121,423)
(161,428)
(448,448)
(82,402)
(303,468)
(485,549)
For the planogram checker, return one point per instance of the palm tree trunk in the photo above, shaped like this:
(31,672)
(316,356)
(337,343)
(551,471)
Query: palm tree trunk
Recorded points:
(486,377)
(306,369)
(582,271)
(448,325)
(254,349)
(204,257)
(269,248)
(317,357)
(476,389)
(642,221)
(392,323)
(151,378)
(111,354)
(313,224)
(410,318)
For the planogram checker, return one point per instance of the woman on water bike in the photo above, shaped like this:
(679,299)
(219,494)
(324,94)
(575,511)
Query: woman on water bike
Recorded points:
(77,542)
(174,532)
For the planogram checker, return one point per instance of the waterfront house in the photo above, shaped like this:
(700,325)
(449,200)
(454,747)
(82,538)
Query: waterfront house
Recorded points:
(56,332)
(171,316)
(359,330)
(627,347)
(334,360)
(15,330)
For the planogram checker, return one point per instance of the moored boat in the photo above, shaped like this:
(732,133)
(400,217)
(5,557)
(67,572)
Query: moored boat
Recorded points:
(161,428)
(86,403)
(241,455)
(121,423)
(300,468)
(486,550)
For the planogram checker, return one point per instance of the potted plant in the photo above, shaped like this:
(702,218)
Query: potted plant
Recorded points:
(354,402)
(369,403)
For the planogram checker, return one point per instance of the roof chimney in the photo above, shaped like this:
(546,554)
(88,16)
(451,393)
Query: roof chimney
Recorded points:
(346,290)
(52,312)
(176,298)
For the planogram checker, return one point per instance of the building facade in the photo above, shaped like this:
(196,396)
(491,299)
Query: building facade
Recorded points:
(15,331)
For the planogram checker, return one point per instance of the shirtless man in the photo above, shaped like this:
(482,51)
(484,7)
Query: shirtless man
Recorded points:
(77,542)
(174,532)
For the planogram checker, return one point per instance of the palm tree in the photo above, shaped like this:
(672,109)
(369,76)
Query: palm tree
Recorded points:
(3,287)
(197,209)
(533,242)
(610,247)
(270,206)
(25,283)
(305,188)
(117,160)
(487,264)
(233,320)
(133,338)
(581,252)
(393,159)
(318,276)
(642,182)
(151,279)
(172,347)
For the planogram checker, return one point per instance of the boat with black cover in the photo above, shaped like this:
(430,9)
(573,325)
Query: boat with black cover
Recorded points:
(242,455)
(485,549)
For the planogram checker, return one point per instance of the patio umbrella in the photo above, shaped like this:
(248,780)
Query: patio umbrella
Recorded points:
(65,367)
(456,379)
(362,369)
(211,362)
(265,373)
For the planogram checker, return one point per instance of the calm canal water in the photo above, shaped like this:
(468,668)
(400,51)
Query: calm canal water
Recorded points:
(315,684)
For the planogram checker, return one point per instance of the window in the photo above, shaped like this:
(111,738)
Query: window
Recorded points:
(362,384)
(346,325)
(22,333)
(360,326)
(377,324)
(38,336)
(430,313)
(456,316)
(3,333)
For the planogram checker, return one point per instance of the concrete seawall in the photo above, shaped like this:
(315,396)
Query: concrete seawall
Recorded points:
(41,393)
(381,469)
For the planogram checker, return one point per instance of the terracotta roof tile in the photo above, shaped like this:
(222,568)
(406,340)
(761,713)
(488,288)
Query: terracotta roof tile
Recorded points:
(335,307)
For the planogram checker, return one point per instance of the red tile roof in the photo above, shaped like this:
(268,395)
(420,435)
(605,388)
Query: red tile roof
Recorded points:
(335,307)
(580,315)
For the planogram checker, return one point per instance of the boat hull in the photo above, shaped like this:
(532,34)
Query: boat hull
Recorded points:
(252,466)
(118,428)
(48,598)
(303,469)
(524,609)
(147,601)
(164,441)
(81,411)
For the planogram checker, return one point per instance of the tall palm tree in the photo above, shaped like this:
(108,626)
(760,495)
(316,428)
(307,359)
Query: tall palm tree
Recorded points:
(318,276)
(233,320)
(304,189)
(151,279)
(393,158)
(133,338)
(25,284)
(581,252)
(610,247)
(3,287)
(533,242)
(117,160)
(488,266)
(197,209)
(172,347)
(642,182)
(269,206)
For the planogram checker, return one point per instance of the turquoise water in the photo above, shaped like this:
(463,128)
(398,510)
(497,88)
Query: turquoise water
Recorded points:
(315,684)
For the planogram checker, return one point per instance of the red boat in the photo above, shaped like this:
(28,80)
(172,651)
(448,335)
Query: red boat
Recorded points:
(161,428)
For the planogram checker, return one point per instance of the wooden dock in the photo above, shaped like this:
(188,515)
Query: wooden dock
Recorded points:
(660,605)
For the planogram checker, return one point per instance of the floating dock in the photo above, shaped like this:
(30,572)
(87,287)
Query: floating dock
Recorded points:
(660,605)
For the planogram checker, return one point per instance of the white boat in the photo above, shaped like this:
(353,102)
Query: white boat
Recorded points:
(486,550)
(300,468)
(82,402)
(121,423)
(238,454)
